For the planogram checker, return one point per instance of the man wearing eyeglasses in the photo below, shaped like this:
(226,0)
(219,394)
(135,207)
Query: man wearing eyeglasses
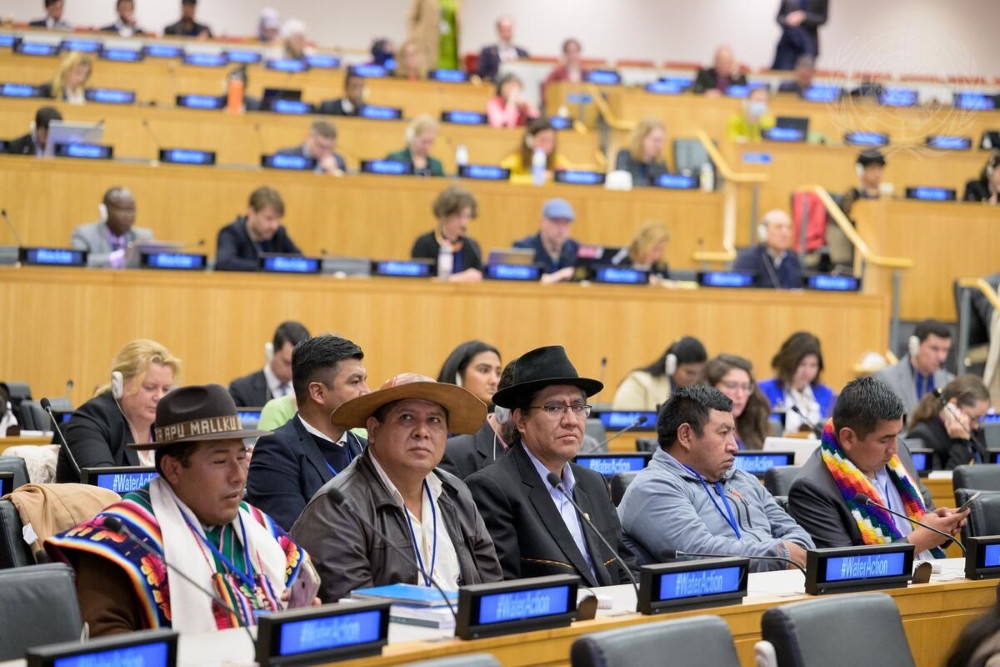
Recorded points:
(535,529)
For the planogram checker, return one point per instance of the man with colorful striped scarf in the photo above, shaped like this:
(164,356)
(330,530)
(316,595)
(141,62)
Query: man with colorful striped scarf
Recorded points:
(860,455)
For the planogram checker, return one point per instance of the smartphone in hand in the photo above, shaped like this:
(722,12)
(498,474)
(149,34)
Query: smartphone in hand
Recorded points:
(305,587)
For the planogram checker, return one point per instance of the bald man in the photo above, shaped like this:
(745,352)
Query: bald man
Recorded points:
(108,240)
(723,73)
(772,262)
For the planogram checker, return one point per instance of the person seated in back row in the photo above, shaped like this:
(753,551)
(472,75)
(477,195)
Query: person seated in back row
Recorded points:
(773,263)
(750,124)
(454,208)
(717,79)
(353,101)
(34,142)
(540,136)
(109,241)
(242,242)
(643,158)
(320,145)
(554,250)
(126,25)
(274,380)
(53,17)
(504,51)
(187,26)
(986,188)
(420,136)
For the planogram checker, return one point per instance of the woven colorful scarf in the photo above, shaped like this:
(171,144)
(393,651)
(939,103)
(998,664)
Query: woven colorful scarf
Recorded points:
(876,525)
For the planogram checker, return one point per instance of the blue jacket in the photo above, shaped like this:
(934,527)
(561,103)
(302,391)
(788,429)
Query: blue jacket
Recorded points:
(776,396)
(757,261)
(666,509)
(566,258)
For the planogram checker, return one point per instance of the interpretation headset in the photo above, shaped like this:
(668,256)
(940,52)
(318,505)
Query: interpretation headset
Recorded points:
(670,365)
(269,351)
(913,345)
(117,385)
(501,414)
(859,169)
(102,211)
(992,164)
(458,379)
(762,232)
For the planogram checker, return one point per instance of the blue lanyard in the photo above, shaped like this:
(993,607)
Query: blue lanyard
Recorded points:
(728,515)
(350,458)
(245,577)
(413,536)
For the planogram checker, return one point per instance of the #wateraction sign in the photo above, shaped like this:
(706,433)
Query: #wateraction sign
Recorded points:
(52,257)
(510,607)
(187,156)
(846,569)
(120,480)
(146,648)
(983,558)
(612,464)
(692,584)
(516,272)
(289,264)
(173,261)
(314,635)
(757,463)
(402,269)
(616,420)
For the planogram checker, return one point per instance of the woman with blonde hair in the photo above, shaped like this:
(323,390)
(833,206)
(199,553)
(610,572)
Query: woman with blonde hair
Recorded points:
(121,412)
(645,251)
(69,84)
(644,156)
(411,64)
(420,136)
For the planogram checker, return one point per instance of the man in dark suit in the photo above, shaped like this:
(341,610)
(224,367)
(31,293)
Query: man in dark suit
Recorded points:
(773,263)
(800,21)
(126,25)
(535,529)
(53,17)
(503,51)
(242,242)
(34,142)
(187,26)
(275,379)
(554,250)
(723,73)
(289,466)
(353,101)
(320,145)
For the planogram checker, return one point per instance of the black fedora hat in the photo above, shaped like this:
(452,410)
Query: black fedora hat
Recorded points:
(195,414)
(540,368)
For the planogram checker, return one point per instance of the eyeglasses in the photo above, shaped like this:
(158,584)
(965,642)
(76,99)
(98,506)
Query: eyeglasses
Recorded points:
(736,386)
(555,409)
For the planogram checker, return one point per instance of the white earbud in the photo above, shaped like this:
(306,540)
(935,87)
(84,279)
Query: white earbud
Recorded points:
(102,211)
(671,364)
(269,352)
(913,346)
(501,414)
(458,379)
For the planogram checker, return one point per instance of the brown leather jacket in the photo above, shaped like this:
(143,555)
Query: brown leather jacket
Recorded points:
(348,555)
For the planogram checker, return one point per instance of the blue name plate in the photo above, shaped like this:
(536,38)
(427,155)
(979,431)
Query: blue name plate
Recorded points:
(123,482)
(615,275)
(244,57)
(6,483)
(110,96)
(922,460)
(211,102)
(174,261)
(18,90)
(35,48)
(401,269)
(579,98)
(898,97)
(315,635)
(121,55)
(385,167)
(147,648)
(370,71)
(516,606)
(757,463)
(248,417)
(85,151)
(612,464)
(947,143)
(448,76)
(81,45)
(828,283)
(187,156)
(756,158)
(931,194)
(163,51)
(787,134)
(617,420)
(52,257)
(677,182)
(574,177)
(464,117)
(866,139)
(725,279)
(560,123)
(665,88)
(7,41)
(292,65)
(289,264)
(381,113)
(983,558)
(291,107)
(321,61)
(484,172)
(604,77)
(692,584)
(840,570)
(738,91)
(290,162)
(512,272)
(206,59)
(823,94)
(972,101)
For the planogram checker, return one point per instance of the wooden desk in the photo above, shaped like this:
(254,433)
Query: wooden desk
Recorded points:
(362,216)
(17,440)
(217,323)
(945,240)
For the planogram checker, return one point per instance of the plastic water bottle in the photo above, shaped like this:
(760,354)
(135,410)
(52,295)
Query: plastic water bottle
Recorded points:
(538,161)
(462,156)
(446,261)
(707,178)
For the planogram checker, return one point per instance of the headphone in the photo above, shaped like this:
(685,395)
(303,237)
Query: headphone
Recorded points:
(269,351)
(670,365)
(913,345)
(458,379)
(762,232)
(117,385)
(991,165)
(102,210)
(529,141)
(502,414)
(859,169)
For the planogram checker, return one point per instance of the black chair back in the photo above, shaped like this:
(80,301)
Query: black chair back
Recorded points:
(778,480)
(620,482)
(38,606)
(688,642)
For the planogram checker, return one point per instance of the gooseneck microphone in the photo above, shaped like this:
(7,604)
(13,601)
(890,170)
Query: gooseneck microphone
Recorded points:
(863,499)
(338,499)
(805,420)
(691,554)
(47,406)
(12,228)
(554,480)
(639,421)
(116,525)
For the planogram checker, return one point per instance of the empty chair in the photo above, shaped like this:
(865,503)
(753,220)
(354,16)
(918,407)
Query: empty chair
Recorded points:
(471,660)
(646,444)
(16,465)
(977,478)
(14,551)
(688,642)
(856,630)
(620,482)
(33,417)
(778,480)
(38,606)
(984,519)
(595,429)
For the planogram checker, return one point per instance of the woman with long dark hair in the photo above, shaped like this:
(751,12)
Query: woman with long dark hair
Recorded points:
(799,364)
(733,376)
(949,423)
(648,387)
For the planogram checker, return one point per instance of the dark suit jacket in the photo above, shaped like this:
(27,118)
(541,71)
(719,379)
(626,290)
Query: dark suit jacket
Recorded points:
(949,453)
(427,247)
(300,151)
(816,503)
(178,29)
(489,61)
(236,252)
(467,454)
(98,436)
(529,534)
(251,390)
(816,14)
(22,145)
(707,79)
(138,32)
(288,468)
(643,174)
(975,190)
(567,256)
(434,165)
(756,259)
(336,108)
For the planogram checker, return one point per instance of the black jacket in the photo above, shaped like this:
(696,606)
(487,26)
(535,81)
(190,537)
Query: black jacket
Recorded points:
(707,79)
(488,65)
(288,468)
(177,29)
(22,145)
(98,435)
(467,454)
(236,252)
(975,190)
(949,453)
(336,108)
(530,536)
(816,15)
(427,247)
(251,390)
(348,555)
(643,174)
(816,503)
(757,261)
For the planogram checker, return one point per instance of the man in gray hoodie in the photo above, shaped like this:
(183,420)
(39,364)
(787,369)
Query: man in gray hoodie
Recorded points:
(690,498)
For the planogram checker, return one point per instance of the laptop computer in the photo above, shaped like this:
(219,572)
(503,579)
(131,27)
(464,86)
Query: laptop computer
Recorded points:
(803,448)
(72,132)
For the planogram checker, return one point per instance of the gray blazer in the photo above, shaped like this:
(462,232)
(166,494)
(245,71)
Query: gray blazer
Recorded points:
(93,238)
(900,378)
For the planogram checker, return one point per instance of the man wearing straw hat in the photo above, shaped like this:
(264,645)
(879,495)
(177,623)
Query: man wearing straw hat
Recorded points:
(394,486)
(193,517)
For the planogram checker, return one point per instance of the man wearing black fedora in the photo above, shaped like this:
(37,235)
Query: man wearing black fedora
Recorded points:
(394,486)
(192,516)
(535,529)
